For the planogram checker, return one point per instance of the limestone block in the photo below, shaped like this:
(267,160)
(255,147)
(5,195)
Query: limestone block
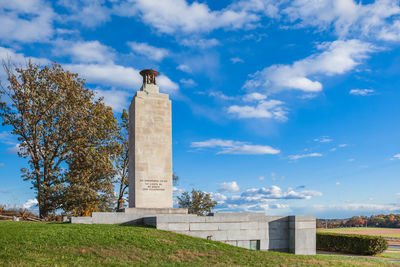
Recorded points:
(232,243)
(203,226)
(178,226)
(229,226)
(243,243)
(150,147)
(249,225)
(83,220)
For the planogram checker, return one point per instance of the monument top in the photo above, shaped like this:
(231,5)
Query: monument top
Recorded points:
(149,76)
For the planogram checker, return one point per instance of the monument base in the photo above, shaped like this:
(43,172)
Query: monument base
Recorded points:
(294,234)
(156,210)
(128,215)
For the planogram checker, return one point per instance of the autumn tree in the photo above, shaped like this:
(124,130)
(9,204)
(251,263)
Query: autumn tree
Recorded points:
(198,202)
(89,179)
(53,114)
(121,158)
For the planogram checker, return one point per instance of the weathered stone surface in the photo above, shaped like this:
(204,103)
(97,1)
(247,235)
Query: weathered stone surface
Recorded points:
(150,148)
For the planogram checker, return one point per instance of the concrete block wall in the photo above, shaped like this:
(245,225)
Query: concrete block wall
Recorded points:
(295,234)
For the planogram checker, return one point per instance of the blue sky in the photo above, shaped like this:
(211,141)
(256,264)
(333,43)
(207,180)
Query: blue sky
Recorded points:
(287,107)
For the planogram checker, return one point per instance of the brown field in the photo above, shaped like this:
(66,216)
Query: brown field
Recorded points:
(384,232)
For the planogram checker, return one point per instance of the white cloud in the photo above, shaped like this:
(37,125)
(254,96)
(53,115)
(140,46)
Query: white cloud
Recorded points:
(87,52)
(26,21)
(19,58)
(397,156)
(254,97)
(220,198)
(178,191)
(200,43)
(346,210)
(229,187)
(279,206)
(323,139)
(184,68)
(89,13)
(348,18)
(338,57)
(171,16)
(118,76)
(116,99)
(235,147)
(220,95)
(269,109)
(301,156)
(30,204)
(237,60)
(362,92)
(188,82)
(261,178)
(7,138)
(149,51)
(342,145)
(264,198)
(337,183)
(14,149)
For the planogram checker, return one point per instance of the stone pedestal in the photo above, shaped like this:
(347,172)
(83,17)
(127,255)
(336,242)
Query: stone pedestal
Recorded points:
(150,148)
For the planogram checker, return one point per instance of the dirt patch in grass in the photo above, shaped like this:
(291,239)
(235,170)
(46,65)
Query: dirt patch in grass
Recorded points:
(166,241)
(189,256)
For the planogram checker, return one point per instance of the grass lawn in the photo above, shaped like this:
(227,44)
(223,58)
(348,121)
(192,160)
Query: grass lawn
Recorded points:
(58,244)
(390,255)
(384,232)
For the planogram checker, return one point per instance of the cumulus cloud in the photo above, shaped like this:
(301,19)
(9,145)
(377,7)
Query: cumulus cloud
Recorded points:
(30,204)
(264,198)
(117,99)
(346,210)
(87,52)
(301,156)
(188,82)
(118,76)
(229,187)
(362,92)
(200,43)
(149,51)
(348,18)
(184,68)
(26,21)
(397,156)
(19,58)
(235,147)
(338,57)
(220,95)
(254,97)
(172,16)
(89,13)
(266,109)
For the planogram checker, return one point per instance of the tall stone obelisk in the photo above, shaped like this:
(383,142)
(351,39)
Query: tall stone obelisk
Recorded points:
(150,146)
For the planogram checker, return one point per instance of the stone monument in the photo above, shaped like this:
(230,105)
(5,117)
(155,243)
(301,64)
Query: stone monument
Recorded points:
(150,146)
(150,189)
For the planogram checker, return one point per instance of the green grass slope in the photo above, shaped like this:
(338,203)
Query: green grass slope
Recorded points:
(57,244)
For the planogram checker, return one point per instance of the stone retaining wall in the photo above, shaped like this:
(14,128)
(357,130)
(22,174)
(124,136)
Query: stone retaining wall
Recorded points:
(294,234)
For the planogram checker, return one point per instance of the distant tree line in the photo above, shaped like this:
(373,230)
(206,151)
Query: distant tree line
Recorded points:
(77,150)
(389,221)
